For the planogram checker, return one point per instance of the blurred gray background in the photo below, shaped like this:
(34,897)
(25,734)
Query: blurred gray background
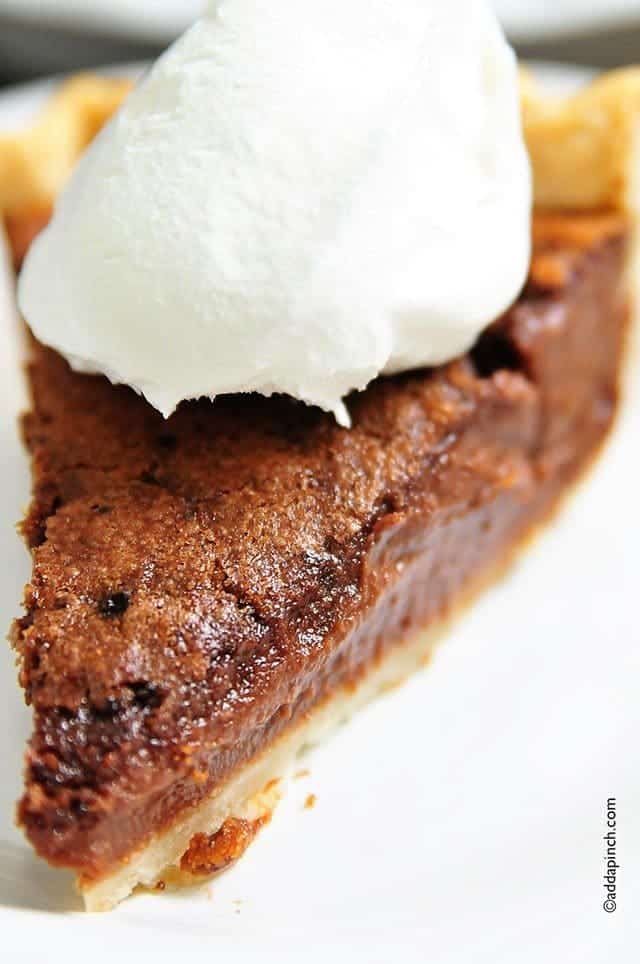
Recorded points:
(604,48)
(39,37)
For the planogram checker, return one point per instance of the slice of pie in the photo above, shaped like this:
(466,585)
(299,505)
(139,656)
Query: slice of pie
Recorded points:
(211,593)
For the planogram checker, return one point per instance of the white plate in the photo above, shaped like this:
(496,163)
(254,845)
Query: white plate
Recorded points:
(460,819)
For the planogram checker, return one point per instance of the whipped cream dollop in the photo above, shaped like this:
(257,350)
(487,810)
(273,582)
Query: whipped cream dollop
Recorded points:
(298,196)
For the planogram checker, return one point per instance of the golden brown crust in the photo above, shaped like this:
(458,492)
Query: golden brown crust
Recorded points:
(210,853)
(34,164)
(582,146)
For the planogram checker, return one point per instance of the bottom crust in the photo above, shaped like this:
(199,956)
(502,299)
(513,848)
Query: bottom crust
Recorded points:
(254,792)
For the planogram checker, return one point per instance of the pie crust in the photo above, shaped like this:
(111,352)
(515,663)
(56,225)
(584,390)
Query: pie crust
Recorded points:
(584,147)
(35,163)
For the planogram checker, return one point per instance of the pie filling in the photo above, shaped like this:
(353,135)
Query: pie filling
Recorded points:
(201,586)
